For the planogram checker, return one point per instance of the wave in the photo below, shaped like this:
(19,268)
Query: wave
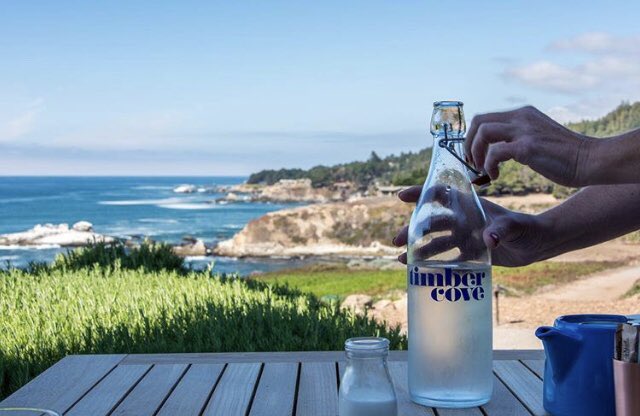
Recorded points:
(187,205)
(152,187)
(198,258)
(127,202)
(159,220)
(38,247)
(28,199)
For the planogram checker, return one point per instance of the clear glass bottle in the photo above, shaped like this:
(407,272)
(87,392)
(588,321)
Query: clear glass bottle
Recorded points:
(366,388)
(449,278)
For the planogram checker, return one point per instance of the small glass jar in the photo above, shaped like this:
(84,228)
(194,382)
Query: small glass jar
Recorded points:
(366,388)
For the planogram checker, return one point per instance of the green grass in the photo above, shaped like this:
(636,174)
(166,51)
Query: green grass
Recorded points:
(50,312)
(340,281)
(635,289)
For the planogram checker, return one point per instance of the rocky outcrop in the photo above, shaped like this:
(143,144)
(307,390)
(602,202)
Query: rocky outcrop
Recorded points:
(191,247)
(357,228)
(80,234)
(291,190)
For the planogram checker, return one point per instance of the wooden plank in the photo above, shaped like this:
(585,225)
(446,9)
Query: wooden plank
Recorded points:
(398,371)
(151,391)
(503,402)
(293,356)
(318,389)
(275,395)
(62,384)
(234,392)
(246,357)
(472,411)
(499,355)
(110,391)
(192,392)
(523,383)
(537,366)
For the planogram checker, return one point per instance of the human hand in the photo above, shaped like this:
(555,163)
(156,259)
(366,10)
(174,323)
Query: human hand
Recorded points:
(531,138)
(513,238)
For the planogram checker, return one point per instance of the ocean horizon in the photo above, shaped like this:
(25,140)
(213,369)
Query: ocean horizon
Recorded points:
(131,207)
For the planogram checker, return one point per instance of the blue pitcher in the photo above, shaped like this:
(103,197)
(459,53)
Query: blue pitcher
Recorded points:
(578,372)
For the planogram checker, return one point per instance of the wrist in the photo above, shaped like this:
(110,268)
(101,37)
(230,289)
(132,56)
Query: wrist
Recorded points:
(545,228)
(591,161)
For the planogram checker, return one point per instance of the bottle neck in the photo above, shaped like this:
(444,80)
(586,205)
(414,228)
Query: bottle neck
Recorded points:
(442,160)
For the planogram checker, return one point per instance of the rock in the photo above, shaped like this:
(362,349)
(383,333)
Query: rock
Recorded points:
(85,226)
(392,313)
(61,235)
(232,197)
(185,189)
(296,190)
(381,304)
(357,303)
(191,248)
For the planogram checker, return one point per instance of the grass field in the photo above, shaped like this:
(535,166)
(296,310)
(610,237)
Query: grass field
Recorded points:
(340,281)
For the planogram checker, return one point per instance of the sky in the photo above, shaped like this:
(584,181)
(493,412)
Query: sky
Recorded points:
(232,87)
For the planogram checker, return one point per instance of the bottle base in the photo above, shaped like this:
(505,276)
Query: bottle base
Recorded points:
(451,404)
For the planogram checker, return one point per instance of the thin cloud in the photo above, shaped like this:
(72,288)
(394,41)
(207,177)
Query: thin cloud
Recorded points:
(598,43)
(607,72)
(23,123)
(553,77)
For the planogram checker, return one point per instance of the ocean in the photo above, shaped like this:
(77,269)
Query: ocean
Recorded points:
(130,206)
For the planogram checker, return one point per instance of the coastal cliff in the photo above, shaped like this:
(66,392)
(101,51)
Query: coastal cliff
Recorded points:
(356,228)
(292,190)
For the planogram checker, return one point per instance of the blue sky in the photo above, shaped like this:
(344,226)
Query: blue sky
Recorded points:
(227,88)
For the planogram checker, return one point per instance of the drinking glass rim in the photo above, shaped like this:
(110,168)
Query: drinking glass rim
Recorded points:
(366,344)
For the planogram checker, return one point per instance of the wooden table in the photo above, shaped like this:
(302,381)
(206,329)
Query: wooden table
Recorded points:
(255,384)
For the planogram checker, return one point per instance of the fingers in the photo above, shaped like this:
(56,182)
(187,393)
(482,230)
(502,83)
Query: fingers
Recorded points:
(498,153)
(501,117)
(401,239)
(437,223)
(487,134)
(402,258)
(410,194)
(436,246)
(438,193)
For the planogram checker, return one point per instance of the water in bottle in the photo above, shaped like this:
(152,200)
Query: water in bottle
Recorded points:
(449,278)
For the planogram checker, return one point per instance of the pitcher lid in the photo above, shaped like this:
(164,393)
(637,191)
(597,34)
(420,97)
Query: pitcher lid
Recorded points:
(595,320)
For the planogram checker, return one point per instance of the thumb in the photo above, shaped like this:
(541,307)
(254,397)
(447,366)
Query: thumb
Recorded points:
(503,229)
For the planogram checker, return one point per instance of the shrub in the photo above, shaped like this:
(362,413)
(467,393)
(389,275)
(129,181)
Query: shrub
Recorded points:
(147,256)
(49,313)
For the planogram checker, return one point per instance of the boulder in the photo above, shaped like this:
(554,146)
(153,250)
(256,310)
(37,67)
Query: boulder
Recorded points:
(84,226)
(191,248)
(357,303)
(185,189)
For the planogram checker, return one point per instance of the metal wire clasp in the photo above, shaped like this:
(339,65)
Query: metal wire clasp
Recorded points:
(448,144)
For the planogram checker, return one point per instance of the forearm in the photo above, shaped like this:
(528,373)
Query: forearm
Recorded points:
(613,161)
(593,215)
